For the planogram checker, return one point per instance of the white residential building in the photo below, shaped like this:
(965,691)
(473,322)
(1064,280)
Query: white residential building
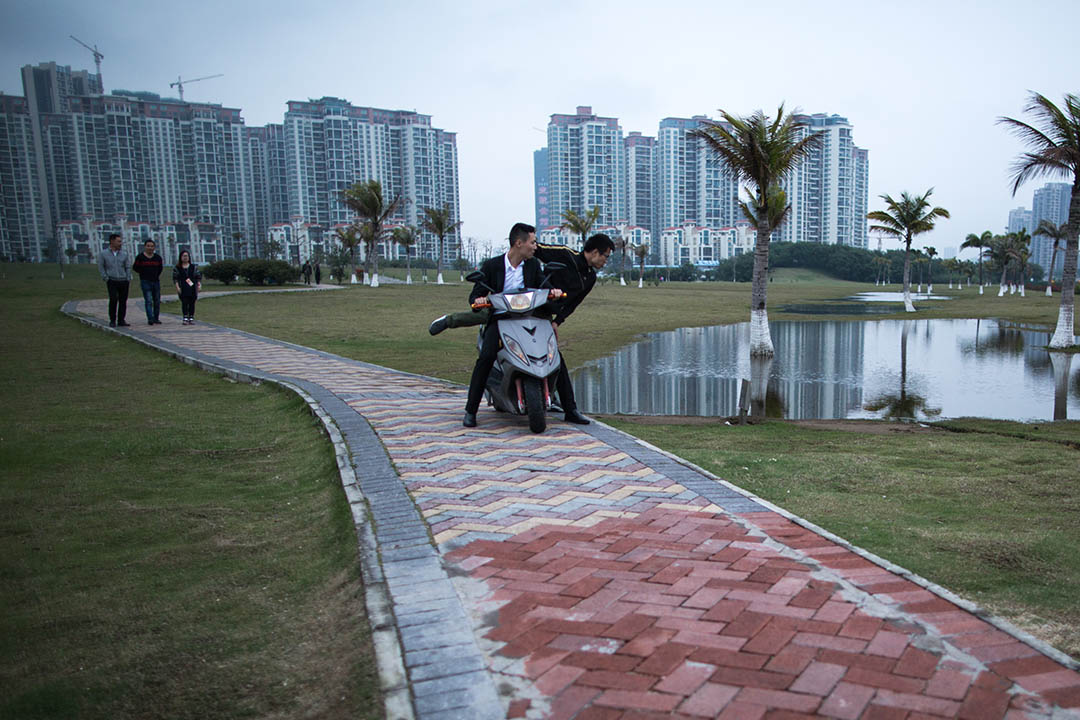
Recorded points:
(586,166)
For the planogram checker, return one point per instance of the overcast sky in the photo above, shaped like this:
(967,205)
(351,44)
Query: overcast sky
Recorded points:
(921,82)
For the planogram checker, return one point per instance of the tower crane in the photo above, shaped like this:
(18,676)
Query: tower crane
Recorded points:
(179,84)
(98,57)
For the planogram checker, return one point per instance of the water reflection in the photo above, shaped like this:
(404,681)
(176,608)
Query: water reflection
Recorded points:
(860,369)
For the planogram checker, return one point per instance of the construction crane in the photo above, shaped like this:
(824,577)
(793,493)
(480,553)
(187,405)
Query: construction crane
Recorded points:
(179,84)
(98,57)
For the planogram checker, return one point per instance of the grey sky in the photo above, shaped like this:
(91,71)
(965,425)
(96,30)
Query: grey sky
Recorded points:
(922,82)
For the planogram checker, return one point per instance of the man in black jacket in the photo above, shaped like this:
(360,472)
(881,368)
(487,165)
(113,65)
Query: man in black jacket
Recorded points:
(576,279)
(516,269)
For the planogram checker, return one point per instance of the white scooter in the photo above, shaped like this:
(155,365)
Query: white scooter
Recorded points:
(528,360)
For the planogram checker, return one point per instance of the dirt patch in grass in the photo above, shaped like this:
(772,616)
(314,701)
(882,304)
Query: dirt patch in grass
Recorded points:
(870,427)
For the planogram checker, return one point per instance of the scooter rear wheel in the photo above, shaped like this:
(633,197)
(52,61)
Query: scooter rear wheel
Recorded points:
(534,404)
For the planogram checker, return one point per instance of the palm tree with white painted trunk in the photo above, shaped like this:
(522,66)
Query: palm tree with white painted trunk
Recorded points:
(931,253)
(903,219)
(405,236)
(1053,142)
(1056,233)
(440,223)
(641,252)
(979,242)
(759,152)
(366,200)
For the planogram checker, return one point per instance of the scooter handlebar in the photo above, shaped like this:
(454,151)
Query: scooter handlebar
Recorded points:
(485,302)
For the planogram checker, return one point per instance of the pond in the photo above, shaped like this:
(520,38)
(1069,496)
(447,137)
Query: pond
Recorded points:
(918,369)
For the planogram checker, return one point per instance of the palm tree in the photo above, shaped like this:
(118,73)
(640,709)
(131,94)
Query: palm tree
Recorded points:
(931,252)
(349,237)
(366,200)
(405,236)
(1057,234)
(438,222)
(1019,250)
(641,252)
(760,152)
(1054,150)
(998,253)
(582,225)
(904,219)
(978,242)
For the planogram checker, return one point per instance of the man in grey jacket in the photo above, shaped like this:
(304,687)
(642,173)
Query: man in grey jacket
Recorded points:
(115,267)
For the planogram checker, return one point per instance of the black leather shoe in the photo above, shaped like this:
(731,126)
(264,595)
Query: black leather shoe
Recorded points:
(470,420)
(438,326)
(573,416)
(123,324)
(112,324)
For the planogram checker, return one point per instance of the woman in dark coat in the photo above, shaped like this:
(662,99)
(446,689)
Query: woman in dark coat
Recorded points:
(188,281)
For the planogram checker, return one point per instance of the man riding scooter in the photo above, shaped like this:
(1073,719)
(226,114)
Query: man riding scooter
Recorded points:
(516,269)
(576,278)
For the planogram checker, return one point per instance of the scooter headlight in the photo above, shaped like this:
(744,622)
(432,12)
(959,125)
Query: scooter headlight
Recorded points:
(521,301)
(553,345)
(515,349)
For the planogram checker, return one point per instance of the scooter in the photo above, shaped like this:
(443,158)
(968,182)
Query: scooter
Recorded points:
(528,358)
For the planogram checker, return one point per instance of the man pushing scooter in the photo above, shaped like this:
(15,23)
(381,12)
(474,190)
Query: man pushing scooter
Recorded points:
(574,273)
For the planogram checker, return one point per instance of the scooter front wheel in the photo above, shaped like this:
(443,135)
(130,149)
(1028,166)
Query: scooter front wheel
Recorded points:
(534,404)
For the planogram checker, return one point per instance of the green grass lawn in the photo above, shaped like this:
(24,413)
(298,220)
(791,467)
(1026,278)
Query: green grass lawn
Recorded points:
(172,545)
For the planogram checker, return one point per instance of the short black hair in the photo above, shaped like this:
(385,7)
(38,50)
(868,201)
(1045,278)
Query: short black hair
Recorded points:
(149,240)
(112,235)
(600,242)
(520,231)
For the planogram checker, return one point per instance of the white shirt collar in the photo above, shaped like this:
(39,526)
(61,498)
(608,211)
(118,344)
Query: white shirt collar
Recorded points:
(514,276)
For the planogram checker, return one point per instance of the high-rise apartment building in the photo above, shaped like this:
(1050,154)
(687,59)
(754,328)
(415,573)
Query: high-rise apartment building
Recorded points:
(1050,202)
(640,181)
(329,144)
(828,190)
(586,166)
(1019,219)
(692,185)
(673,181)
(79,163)
(22,197)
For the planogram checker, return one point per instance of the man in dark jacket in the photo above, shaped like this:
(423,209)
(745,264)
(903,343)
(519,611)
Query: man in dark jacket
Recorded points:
(516,269)
(576,279)
(148,264)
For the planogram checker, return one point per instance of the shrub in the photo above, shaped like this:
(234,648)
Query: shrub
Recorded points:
(279,272)
(254,271)
(223,271)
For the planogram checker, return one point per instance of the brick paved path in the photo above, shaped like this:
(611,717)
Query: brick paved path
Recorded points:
(583,574)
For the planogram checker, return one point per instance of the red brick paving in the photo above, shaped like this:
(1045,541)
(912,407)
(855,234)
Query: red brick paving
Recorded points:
(685,614)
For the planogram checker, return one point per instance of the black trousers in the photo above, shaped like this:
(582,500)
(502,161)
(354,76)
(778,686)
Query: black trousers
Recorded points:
(564,387)
(489,349)
(187,304)
(118,292)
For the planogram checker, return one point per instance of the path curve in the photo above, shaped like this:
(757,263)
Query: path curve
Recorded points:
(583,573)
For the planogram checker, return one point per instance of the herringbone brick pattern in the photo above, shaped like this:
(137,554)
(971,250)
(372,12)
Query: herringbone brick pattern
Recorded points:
(681,614)
(599,587)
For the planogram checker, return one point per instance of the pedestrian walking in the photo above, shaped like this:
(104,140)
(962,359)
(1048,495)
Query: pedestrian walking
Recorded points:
(318,274)
(115,267)
(148,264)
(306,270)
(188,281)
